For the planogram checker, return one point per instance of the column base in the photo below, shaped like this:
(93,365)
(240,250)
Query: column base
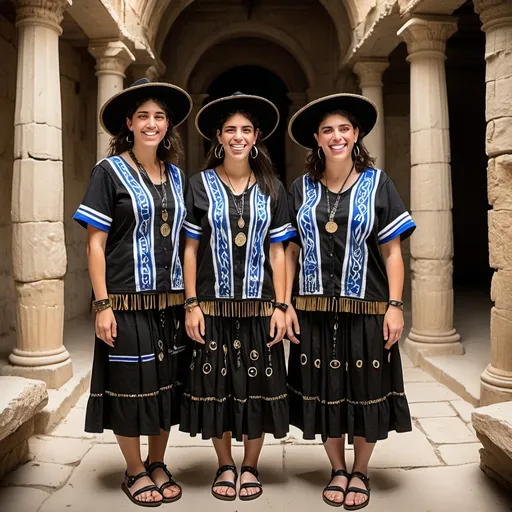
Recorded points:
(55,375)
(418,346)
(495,386)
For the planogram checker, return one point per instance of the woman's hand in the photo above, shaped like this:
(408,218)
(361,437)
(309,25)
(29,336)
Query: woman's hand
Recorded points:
(292,324)
(106,326)
(277,326)
(194,324)
(393,326)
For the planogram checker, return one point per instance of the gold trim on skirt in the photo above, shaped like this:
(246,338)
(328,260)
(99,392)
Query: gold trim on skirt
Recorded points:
(144,301)
(237,309)
(341,305)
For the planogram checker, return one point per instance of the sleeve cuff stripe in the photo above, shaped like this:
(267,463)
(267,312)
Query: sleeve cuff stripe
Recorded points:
(404,227)
(192,234)
(393,225)
(93,216)
(282,238)
(282,229)
(82,219)
(192,227)
(101,216)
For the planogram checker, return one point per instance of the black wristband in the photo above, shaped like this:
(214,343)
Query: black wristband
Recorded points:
(281,305)
(396,303)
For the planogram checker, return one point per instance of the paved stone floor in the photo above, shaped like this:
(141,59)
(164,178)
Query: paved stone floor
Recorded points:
(434,468)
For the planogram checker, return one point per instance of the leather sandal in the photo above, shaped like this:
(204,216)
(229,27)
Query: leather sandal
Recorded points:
(336,488)
(250,485)
(160,465)
(366,482)
(130,480)
(231,485)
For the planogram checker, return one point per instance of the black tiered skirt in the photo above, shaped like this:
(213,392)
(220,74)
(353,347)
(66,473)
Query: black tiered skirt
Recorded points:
(341,379)
(236,384)
(136,387)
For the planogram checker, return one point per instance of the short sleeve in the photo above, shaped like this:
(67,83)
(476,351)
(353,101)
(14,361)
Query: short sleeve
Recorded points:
(281,228)
(97,207)
(393,218)
(192,225)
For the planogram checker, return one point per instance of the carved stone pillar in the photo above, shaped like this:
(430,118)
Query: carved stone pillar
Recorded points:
(39,250)
(496,16)
(112,59)
(295,155)
(370,73)
(195,143)
(432,329)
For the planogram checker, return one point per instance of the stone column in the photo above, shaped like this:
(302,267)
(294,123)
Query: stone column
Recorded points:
(112,59)
(496,16)
(195,143)
(38,246)
(295,155)
(432,329)
(370,73)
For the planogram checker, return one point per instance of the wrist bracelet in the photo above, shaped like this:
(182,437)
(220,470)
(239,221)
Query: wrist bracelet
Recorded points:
(191,300)
(97,308)
(281,305)
(190,307)
(396,303)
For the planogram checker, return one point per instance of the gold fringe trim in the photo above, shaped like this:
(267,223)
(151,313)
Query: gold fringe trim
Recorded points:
(341,305)
(353,402)
(136,395)
(143,301)
(239,309)
(240,400)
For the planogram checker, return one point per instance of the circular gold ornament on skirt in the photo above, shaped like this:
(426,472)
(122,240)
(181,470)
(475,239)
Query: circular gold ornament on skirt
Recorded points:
(207,368)
(165,230)
(331,227)
(223,372)
(240,239)
(241,223)
(252,371)
(213,345)
(269,371)
(254,355)
(237,344)
(317,363)
(335,364)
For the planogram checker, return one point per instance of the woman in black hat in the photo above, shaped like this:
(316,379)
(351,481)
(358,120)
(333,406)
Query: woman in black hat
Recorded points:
(237,221)
(133,210)
(345,374)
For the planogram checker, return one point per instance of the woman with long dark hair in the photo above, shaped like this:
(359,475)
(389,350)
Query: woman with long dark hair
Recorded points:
(345,374)
(237,221)
(134,210)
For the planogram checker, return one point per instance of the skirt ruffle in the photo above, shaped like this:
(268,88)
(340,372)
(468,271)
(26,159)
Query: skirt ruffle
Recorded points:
(341,379)
(137,386)
(238,390)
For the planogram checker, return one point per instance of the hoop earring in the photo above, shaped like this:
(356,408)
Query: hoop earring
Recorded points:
(257,152)
(318,153)
(356,150)
(219,152)
(168,145)
(128,139)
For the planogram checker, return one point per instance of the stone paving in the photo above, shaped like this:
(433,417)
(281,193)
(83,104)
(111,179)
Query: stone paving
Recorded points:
(434,468)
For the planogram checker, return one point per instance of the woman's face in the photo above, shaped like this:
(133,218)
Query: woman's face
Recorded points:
(149,124)
(336,136)
(238,136)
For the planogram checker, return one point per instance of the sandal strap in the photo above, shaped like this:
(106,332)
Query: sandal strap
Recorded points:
(227,467)
(340,472)
(358,490)
(364,478)
(249,469)
(249,485)
(131,479)
(145,489)
(335,488)
(158,465)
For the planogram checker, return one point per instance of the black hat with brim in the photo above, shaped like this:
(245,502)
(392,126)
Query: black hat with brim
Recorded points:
(304,124)
(261,109)
(114,111)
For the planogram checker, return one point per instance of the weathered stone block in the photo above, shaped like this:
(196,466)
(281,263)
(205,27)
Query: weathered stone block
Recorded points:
(499,136)
(38,141)
(430,146)
(498,99)
(19,401)
(37,191)
(500,238)
(501,289)
(433,238)
(38,251)
(501,338)
(493,425)
(499,182)
(431,187)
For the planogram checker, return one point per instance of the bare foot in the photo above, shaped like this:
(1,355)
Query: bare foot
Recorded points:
(148,496)
(160,477)
(337,496)
(222,490)
(245,478)
(356,498)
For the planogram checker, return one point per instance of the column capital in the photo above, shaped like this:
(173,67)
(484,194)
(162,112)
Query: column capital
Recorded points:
(369,72)
(428,33)
(40,12)
(494,12)
(112,57)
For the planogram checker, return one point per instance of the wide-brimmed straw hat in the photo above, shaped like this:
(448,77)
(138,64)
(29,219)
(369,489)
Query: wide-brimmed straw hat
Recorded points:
(261,109)
(304,124)
(113,112)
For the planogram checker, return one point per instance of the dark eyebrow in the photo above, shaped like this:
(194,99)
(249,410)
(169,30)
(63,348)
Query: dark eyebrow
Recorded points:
(147,112)
(232,126)
(331,126)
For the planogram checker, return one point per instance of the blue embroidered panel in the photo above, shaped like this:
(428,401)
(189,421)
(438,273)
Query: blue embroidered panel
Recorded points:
(255,256)
(180,213)
(218,216)
(310,277)
(143,209)
(360,224)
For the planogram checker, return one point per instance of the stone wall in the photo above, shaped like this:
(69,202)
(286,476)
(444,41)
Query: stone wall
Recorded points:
(8,64)
(79,90)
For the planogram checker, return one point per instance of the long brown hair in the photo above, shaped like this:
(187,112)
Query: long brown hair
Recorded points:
(315,161)
(123,141)
(261,165)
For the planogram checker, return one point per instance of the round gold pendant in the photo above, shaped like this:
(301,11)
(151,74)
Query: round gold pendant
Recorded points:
(165,215)
(241,223)
(240,239)
(161,356)
(237,344)
(165,230)
(331,227)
